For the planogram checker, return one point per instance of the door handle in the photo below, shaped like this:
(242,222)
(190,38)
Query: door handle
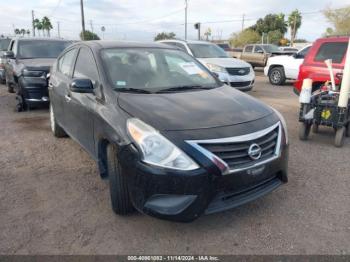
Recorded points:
(68,98)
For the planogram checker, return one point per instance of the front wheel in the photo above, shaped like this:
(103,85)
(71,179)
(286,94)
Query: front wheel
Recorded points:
(339,137)
(121,203)
(304,131)
(56,129)
(277,76)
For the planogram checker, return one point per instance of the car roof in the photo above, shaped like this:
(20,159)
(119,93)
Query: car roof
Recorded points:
(41,39)
(102,44)
(186,41)
(334,39)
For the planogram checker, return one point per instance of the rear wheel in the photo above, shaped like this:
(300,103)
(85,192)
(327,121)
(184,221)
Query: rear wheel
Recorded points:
(56,129)
(277,76)
(339,137)
(304,131)
(121,203)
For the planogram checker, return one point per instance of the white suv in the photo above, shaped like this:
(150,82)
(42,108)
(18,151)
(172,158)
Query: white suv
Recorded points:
(232,71)
(281,68)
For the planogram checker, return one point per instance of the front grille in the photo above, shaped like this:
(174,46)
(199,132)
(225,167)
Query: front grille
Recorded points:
(240,84)
(238,71)
(234,151)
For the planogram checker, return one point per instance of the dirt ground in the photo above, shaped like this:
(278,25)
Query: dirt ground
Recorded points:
(52,200)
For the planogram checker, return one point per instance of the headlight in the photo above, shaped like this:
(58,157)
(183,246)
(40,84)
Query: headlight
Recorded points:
(216,68)
(284,124)
(32,73)
(156,149)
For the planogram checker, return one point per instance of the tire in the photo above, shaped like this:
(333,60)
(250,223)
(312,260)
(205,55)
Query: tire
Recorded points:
(21,104)
(56,129)
(10,88)
(120,199)
(339,137)
(277,76)
(315,128)
(304,131)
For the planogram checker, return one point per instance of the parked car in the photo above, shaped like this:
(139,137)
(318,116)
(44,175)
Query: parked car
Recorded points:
(282,68)
(257,54)
(4,43)
(174,141)
(28,66)
(314,67)
(233,72)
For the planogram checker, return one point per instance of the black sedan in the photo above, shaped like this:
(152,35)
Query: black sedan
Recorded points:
(173,141)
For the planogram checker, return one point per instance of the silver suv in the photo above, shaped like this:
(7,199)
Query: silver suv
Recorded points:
(232,71)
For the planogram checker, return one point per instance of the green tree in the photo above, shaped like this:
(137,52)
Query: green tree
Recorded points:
(38,25)
(17,31)
(23,31)
(294,23)
(28,32)
(271,22)
(274,37)
(339,19)
(164,36)
(89,36)
(247,36)
(46,25)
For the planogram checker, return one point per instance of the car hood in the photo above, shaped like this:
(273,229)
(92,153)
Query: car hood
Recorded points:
(224,62)
(38,62)
(192,110)
(281,58)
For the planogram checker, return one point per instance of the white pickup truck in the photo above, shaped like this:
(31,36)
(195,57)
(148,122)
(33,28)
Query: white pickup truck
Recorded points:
(281,68)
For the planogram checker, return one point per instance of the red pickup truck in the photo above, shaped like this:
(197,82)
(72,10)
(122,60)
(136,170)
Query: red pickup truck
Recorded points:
(314,67)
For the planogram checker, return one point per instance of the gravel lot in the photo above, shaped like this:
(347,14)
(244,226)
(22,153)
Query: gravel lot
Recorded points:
(52,200)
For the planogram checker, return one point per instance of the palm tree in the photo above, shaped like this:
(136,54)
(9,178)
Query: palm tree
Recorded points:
(23,31)
(294,23)
(46,24)
(28,32)
(38,25)
(17,31)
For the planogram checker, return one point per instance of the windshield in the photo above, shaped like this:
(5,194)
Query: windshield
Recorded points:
(207,51)
(4,43)
(154,69)
(41,49)
(271,48)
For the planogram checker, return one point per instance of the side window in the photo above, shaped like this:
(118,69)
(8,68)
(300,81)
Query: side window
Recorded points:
(258,49)
(85,66)
(334,51)
(66,62)
(303,52)
(248,49)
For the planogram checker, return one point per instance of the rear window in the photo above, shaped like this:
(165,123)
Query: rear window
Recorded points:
(40,49)
(334,51)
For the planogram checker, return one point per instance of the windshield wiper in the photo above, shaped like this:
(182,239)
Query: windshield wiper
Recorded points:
(183,88)
(132,90)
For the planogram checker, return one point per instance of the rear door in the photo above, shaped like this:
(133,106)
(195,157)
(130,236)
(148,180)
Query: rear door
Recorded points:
(60,79)
(79,108)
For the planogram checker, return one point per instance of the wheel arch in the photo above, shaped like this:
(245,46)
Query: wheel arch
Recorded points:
(274,66)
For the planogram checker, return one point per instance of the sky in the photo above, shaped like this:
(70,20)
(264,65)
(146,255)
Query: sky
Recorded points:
(141,20)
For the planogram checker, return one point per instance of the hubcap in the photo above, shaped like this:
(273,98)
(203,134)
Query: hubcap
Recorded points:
(275,76)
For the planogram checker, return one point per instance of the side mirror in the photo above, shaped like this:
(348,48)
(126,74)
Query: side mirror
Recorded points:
(9,55)
(82,86)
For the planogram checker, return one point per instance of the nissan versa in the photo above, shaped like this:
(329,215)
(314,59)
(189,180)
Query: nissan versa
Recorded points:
(174,141)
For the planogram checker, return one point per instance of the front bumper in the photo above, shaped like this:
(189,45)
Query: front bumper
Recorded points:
(184,196)
(34,90)
(242,83)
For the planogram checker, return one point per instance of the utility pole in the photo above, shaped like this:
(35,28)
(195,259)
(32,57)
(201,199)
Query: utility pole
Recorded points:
(58,29)
(186,6)
(243,18)
(198,27)
(82,19)
(33,27)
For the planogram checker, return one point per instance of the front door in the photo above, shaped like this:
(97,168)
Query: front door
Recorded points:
(79,107)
